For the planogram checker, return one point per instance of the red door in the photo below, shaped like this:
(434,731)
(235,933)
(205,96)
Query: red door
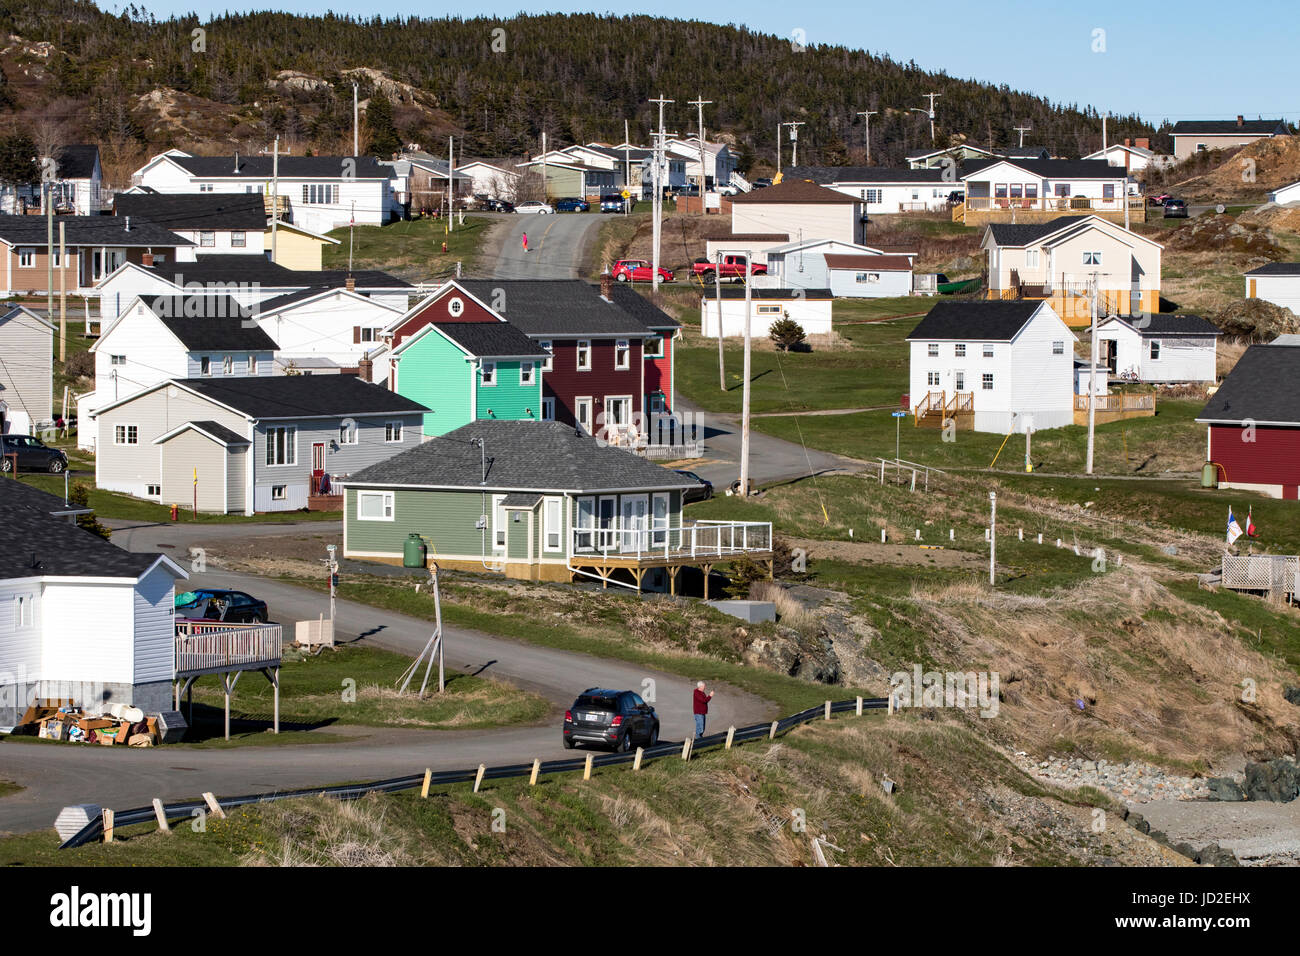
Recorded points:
(317,465)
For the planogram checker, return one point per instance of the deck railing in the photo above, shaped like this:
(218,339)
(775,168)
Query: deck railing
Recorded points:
(1277,573)
(212,645)
(1117,403)
(698,540)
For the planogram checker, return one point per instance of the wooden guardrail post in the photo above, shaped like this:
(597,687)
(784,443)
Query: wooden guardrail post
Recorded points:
(215,807)
(686,749)
(731,735)
(586,770)
(636,761)
(478,777)
(161,814)
(537,766)
(828,710)
(859,706)
(424,790)
(771,735)
(108,826)
(890,705)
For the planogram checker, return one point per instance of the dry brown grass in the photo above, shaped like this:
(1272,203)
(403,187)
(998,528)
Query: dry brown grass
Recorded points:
(1227,356)
(788,610)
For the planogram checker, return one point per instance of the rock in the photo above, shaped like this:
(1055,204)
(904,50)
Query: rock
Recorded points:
(1292,694)
(1215,855)
(1089,766)
(1138,822)
(1158,835)
(1225,789)
(1276,780)
(1186,849)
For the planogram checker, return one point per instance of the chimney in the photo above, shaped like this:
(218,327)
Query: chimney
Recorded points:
(236,162)
(606,286)
(146,259)
(1142,142)
(1240,120)
(366,368)
(351,284)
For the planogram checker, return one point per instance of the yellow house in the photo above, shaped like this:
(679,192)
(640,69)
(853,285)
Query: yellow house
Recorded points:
(296,247)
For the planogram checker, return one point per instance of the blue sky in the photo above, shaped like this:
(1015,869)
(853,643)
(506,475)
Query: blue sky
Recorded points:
(1184,60)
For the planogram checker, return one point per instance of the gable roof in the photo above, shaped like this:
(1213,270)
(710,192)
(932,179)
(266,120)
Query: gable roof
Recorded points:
(1276,269)
(279,302)
(233,267)
(1022,234)
(1049,168)
(19,311)
(642,309)
(1167,323)
(542,307)
(77,161)
(1264,387)
(795,191)
(272,397)
(290,167)
(866,174)
(91,231)
(841,260)
(488,340)
(988,321)
(1229,127)
(61,549)
(203,322)
(215,430)
(521,456)
(245,211)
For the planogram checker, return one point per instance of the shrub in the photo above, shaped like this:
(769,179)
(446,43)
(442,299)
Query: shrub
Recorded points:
(79,495)
(786,333)
(81,365)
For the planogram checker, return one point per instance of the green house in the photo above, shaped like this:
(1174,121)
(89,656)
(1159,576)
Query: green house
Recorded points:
(539,501)
(467,371)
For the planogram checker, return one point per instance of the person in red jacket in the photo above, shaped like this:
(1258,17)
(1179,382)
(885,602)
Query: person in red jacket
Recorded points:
(701,708)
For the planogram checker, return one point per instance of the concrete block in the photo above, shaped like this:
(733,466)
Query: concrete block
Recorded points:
(752,612)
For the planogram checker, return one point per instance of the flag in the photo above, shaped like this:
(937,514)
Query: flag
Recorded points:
(1234,529)
(1250,524)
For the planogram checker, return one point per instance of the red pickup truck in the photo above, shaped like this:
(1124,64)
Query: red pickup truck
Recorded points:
(733,267)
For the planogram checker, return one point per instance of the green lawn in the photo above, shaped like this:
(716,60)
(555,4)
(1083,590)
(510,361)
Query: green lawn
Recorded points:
(411,248)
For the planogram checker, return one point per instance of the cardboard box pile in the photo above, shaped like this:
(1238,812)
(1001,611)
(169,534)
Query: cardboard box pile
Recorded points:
(123,725)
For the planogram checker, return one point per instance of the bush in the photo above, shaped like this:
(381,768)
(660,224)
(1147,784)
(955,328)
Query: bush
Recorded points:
(81,365)
(786,333)
(79,495)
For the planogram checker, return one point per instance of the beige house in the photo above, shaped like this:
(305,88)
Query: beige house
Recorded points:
(800,210)
(1197,136)
(296,247)
(1058,260)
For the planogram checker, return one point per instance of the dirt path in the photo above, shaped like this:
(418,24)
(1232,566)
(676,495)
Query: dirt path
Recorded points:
(873,552)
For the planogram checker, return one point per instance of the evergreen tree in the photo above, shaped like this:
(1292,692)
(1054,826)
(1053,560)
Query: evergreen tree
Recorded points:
(384,139)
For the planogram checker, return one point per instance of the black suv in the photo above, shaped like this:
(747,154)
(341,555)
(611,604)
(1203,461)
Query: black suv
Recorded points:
(33,455)
(1175,209)
(218,604)
(618,719)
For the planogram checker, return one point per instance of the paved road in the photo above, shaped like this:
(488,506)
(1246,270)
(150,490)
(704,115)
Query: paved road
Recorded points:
(55,776)
(555,245)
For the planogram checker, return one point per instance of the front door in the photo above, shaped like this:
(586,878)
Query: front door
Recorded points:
(635,522)
(1112,356)
(317,465)
(959,381)
(582,412)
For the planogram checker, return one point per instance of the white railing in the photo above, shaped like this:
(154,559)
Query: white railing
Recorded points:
(697,540)
(1262,572)
(211,645)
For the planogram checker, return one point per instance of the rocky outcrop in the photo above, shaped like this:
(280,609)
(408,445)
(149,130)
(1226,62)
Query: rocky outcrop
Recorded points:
(1275,780)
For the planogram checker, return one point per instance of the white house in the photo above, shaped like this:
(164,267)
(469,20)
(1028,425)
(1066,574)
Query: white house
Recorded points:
(1010,363)
(420,180)
(811,308)
(1162,348)
(868,276)
(1134,155)
(486,179)
(803,256)
(1043,184)
(319,193)
(334,325)
(81,618)
(26,370)
(719,163)
(886,191)
(1286,194)
(225,223)
(76,185)
(1276,282)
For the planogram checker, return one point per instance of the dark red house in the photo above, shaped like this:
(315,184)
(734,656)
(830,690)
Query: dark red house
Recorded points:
(1254,423)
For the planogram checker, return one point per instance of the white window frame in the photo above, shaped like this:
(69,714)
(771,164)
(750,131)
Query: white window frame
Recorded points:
(549,362)
(653,347)
(767,309)
(205,364)
(238,239)
(986,382)
(623,348)
(1031,258)
(1154,350)
(126,434)
(207,239)
(988,350)
(488,374)
(228,365)
(391,429)
(578,402)
(526,374)
(26,257)
(1092,258)
(659,533)
(584,537)
(349,434)
(500,525)
(153,491)
(610,402)
(932,379)
(279,492)
(959,350)
(252,363)
(117,360)
(290,447)
(932,350)
(25,610)
(1058,346)
(583,349)
(552,524)
(388,511)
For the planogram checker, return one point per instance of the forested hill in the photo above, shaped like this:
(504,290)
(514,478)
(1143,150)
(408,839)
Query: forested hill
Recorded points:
(500,83)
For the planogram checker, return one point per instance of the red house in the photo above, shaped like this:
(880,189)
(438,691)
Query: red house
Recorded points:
(1254,423)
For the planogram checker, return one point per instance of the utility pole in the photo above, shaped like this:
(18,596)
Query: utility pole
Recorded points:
(1092,367)
(627,169)
(333,566)
(356,122)
(451,183)
(794,142)
(659,194)
(63,306)
(49,250)
(717,289)
(744,401)
(543,165)
(778,148)
(866,115)
(275,194)
(930,112)
(1104,117)
(1022,130)
(700,103)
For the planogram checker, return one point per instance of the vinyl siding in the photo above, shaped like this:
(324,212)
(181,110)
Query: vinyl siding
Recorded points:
(20,647)
(565,383)
(437,374)
(1042,384)
(236,479)
(812,220)
(182,456)
(509,400)
(1280,290)
(155,629)
(445,518)
(238,364)
(325,327)
(27,376)
(89,632)
(1273,458)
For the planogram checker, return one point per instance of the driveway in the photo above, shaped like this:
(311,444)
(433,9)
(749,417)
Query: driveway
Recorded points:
(57,775)
(555,245)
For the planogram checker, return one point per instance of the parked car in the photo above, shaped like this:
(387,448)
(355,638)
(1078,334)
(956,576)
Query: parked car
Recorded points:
(498,205)
(618,719)
(535,206)
(33,455)
(696,494)
(1159,200)
(733,267)
(572,204)
(217,604)
(956,197)
(1175,209)
(728,190)
(762,183)
(638,270)
(612,202)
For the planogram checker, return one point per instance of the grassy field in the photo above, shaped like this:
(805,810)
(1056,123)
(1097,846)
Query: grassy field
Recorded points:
(411,248)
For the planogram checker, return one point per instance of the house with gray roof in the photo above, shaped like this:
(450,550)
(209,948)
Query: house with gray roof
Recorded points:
(26,370)
(1276,282)
(1164,348)
(1029,190)
(1198,136)
(538,501)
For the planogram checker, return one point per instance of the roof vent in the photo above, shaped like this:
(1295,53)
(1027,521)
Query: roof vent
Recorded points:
(35,565)
(128,223)
(236,162)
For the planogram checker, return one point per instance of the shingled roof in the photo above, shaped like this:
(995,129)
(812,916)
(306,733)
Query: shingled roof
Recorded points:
(44,546)
(274,397)
(92,231)
(1229,127)
(555,307)
(209,322)
(1169,323)
(1264,387)
(491,339)
(246,211)
(290,167)
(224,267)
(990,321)
(868,174)
(795,191)
(1022,234)
(1277,269)
(521,456)
(1050,168)
(77,161)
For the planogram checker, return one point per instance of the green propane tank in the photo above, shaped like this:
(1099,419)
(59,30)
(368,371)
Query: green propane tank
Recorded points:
(1209,475)
(414,552)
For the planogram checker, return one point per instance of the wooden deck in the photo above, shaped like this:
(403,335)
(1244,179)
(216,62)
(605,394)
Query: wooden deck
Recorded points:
(938,408)
(1114,408)
(226,650)
(701,544)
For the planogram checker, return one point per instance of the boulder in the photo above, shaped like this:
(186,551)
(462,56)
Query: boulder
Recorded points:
(1225,789)
(1275,780)
(1215,855)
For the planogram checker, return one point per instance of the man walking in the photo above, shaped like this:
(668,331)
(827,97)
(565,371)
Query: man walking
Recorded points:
(702,699)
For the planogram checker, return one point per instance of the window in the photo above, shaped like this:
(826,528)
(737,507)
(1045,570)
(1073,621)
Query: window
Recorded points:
(365,334)
(618,411)
(205,365)
(768,309)
(1063,190)
(653,347)
(348,432)
(585,524)
(207,239)
(228,365)
(931,378)
(1017,191)
(252,364)
(392,432)
(282,445)
(489,373)
(278,492)
(374,506)
(1058,348)
(552,512)
(1092,258)
(26,257)
(1031,258)
(584,355)
(153,491)
(205,187)
(26,610)
(238,239)
(1000,191)
(499,522)
(959,381)
(57,261)
(959,350)
(873,195)
(1155,350)
(117,359)
(548,409)
(622,353)
(659,519)
(455,307)
(526,373)
(867,278)
(986,381)
(1031,190)
(126,435)
(549,362)
(318,194)
(933,349)
(988,349)
(1108,191)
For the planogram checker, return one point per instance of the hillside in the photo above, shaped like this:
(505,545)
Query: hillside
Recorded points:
(140,80)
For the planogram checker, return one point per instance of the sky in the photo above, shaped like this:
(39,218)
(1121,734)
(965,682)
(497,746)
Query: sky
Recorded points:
(1171,60)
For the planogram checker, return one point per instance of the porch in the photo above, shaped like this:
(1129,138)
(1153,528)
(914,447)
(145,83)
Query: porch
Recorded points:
(1069,299)
(637,550)
(937,408)
(323,495)
(226,650)
(1114,408)
(979,210)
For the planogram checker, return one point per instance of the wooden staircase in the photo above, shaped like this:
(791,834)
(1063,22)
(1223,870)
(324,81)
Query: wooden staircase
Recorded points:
(938,407)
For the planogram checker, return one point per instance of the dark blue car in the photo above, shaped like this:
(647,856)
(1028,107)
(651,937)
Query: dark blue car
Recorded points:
(572,204)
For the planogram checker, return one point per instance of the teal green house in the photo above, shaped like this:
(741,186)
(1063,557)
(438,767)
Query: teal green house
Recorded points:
(470,371)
